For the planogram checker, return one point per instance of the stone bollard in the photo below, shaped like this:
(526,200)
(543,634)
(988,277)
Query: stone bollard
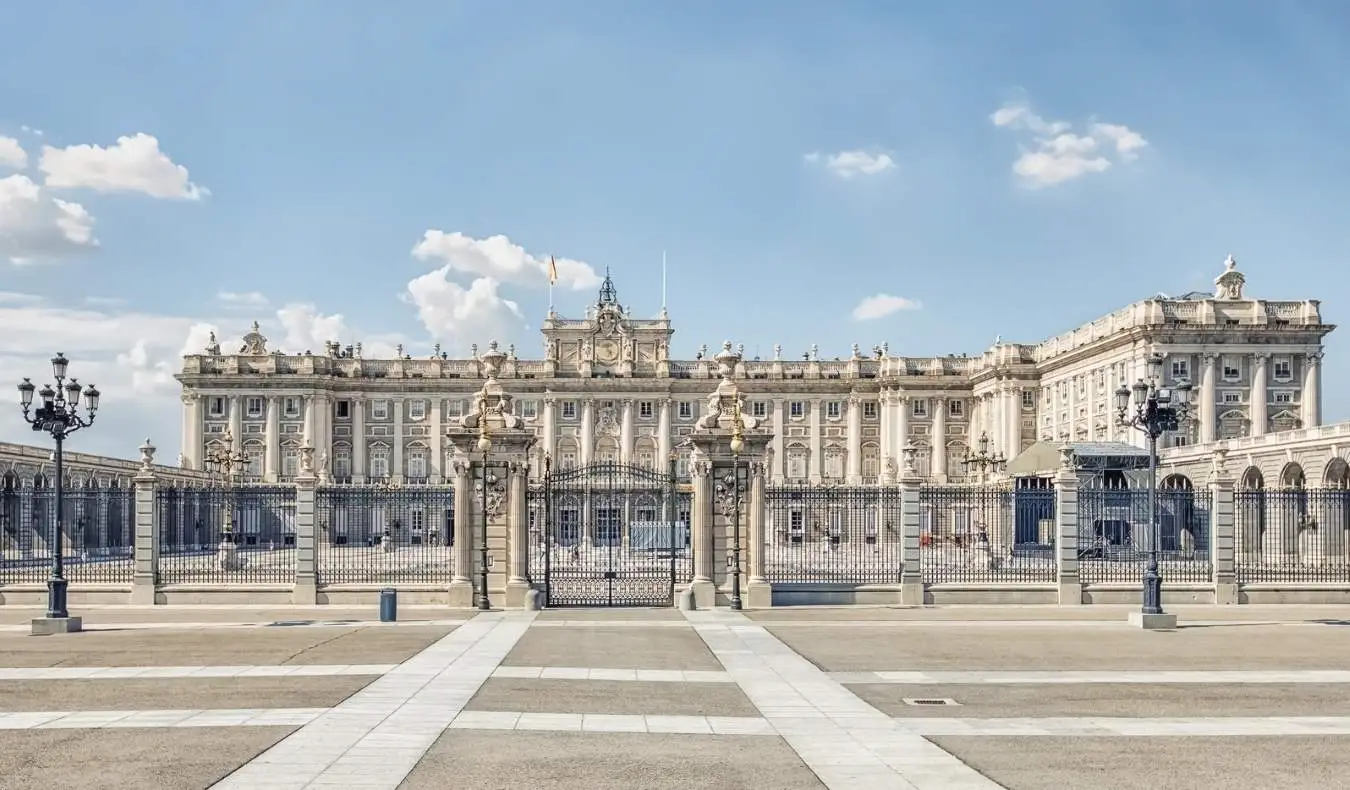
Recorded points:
(534,601)
(684,600)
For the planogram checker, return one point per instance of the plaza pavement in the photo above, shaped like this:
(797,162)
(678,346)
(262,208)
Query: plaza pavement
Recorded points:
(1034,698)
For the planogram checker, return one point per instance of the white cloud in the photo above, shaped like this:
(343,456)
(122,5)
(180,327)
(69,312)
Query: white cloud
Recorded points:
(457,316)
(249,299)
(134,164)
(36,227)
(12,154)
(849,164)
(882,305)
(502,260)
(149,376)
(1056,155)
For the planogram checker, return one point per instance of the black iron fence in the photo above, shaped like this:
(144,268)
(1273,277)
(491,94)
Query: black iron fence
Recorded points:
(218,534)
(832,534)
(373,534)
(1115,540)
(1292,535)
(987,534)
(97,536)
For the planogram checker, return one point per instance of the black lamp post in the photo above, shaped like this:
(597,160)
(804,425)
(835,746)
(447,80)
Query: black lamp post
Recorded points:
(484,603)
(1154,411)
(983,460)
(57,413)
(225,462)
(737,444)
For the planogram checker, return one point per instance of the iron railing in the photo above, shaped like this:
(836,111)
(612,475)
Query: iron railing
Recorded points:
(822,533)
(1292,535)
(974,534)
(98,535)
(226,534)
(372,534)
(1114,538)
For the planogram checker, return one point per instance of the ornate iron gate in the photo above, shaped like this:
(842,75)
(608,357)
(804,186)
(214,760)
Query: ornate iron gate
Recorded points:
(609,534)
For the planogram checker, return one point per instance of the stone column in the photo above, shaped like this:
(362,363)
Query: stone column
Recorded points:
(518,535)
(626,433)
(817,462)
(1222,530)
(307,432)
(663,437)
(1066,529)
(939,440)
(461,582)
(272,435)
(779,470)
(306,589)
(396,471)
(854,470)
(1014,406)
(192,431)
(903,407)
(237,423)
(145,547)
(759,594)
(701,530)
(1257,409)
(550,421)
(1207,397)
(358,439)
(325,417)
(887,438)
(1311,397)
(911,525)
(587,432)
(436,432)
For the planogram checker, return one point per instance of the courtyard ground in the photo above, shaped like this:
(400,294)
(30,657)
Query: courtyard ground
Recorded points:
(1030,698)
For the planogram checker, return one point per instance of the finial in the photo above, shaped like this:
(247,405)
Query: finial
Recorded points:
(1230,263)
(777,350)
(856,355)
(398,351)
(148,455)
(256,327)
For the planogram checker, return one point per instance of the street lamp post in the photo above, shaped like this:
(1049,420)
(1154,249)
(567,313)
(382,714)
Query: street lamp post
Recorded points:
(484,602)
(983,460)
(1154,411)
(57,413)
(224,461)
(737,444)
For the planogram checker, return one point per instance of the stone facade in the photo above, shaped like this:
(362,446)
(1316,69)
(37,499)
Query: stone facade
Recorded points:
(607,389)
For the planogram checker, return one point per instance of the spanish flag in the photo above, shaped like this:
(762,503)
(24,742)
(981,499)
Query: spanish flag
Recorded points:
(552,270)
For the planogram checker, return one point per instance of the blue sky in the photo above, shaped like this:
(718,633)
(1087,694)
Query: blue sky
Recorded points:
(330,137)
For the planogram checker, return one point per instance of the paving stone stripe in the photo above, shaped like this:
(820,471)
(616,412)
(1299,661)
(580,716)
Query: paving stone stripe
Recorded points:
(847,743)
(592,722)
(1221,726)
(611,624)
(252,671)
(99,719)
(176,626)
(377,736)
(1216,677)
(597,673)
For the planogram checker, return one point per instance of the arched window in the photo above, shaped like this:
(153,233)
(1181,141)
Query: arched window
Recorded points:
(417,462)
(379,461)
(342,462)
(290,460)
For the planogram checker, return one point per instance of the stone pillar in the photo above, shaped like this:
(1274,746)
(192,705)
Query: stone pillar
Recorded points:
(518,538)
(192,431)
(461,585)
(626,432)
(816,468)
(1256,410)
(1014,406)
(436,433)
(307,432)
(911,525)
(701,533)
(272,435)
(1311,397)
(1222,530)
(903,407)
(887,434)
(551,426)
(939,440)
(587,432)
(1066,529)
(760,592)
(396,471)
(1207,398)
(854,471)
(236,423)
(663,437)
(145,547)
(306,589)
(779,469)
(359,462)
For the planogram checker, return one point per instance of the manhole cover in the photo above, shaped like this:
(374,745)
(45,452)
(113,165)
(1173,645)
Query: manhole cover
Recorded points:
(930,701)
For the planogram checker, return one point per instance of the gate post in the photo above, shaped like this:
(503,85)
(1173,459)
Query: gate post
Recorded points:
(760,592)
(1066,530)
(518,537)
(306,589)
(460,592)
(145,537)
(1222,530)
(911,527)
(701,534)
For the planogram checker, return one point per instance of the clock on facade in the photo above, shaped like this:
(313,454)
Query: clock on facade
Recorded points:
(607,350)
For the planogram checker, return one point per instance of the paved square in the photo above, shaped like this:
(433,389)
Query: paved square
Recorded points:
(807,698)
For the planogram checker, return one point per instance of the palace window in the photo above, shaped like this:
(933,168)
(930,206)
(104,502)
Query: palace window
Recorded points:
(956,408)
(920,408)
(379,409)
(1028,399)
(645,410)
(686,410)
(344,409)
(569,459)
(569,410)
(417,409)
(379,462)
(870,409)
(291,406)
(1284,369)
(454,408)
(1232,397)
(290,462)
(255,407)
(529,409)
(1284,397)
(417,463)
(342,463)
(647,459)
(833,409)
(797,409)
(1181,369)
(1231,370)
(216,407)
(759,409)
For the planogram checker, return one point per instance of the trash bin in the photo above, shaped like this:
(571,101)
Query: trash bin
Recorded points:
(388,605)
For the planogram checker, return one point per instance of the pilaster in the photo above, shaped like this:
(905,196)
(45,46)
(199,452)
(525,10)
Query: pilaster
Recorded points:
(1066,530)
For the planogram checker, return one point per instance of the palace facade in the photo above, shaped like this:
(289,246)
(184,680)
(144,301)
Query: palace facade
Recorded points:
(607,390)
